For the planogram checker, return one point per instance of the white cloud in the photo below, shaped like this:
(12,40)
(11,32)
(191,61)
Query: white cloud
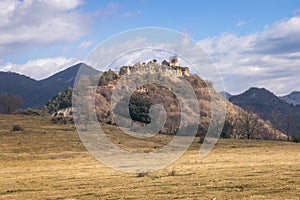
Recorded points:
(269,59)
(42,23)
(40,68)
(30,23)
(153,43)
(85,44)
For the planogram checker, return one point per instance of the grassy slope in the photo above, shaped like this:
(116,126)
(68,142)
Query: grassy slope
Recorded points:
(47,161)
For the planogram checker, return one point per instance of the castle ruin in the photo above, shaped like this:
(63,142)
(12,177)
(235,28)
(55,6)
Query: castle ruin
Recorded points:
(171,68)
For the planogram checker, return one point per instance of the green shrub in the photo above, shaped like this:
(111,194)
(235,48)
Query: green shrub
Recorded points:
(138,108)
(107,77)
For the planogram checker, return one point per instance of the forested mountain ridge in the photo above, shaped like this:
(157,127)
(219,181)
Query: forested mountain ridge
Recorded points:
(36,94)
(284,116)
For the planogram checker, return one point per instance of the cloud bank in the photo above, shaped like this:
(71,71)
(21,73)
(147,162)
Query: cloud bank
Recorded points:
(269,59)
(40,68)
(39,22)
(44,23)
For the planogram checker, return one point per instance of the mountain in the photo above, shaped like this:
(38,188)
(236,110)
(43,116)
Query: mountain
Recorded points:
(35,93)
(13,83)
(284,116)
(225,94)
(293,98)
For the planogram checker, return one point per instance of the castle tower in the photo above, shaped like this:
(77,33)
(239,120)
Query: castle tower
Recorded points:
(174,61)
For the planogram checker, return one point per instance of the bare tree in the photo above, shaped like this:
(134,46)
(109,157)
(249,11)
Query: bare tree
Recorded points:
(238,124)
(288,126)
(9,103)
(275,117)
(253,125)
(250,121)
(231,124)
(246,124)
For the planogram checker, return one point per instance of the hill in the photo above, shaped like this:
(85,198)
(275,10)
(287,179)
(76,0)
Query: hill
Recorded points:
(36,94)
(293,98)
(238,124)
(267,105)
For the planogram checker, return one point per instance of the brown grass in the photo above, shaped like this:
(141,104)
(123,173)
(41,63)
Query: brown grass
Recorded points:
(48,161)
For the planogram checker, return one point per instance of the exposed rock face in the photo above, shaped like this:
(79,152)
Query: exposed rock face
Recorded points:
(67,112)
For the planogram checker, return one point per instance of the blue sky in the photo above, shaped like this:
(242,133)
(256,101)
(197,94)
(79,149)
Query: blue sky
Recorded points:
(253,42)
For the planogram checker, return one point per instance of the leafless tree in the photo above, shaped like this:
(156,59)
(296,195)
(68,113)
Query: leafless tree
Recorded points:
(233,120)
(288,126)
(246,124)
(9,103)
(250,124)
(275,117)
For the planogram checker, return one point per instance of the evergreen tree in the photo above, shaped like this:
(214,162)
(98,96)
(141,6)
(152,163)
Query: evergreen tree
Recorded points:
(60,101)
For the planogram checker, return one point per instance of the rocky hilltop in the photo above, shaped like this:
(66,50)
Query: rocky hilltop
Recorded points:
(145,84)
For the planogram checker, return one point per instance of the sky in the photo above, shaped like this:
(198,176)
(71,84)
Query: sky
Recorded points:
(253,43)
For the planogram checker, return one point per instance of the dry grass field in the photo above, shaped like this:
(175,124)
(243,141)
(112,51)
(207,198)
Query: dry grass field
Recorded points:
(48,161)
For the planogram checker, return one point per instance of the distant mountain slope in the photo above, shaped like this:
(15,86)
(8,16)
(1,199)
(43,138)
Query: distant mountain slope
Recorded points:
(293,98)
(225,94)
(67,76)
(35,93)
(13,83)
(270,107)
